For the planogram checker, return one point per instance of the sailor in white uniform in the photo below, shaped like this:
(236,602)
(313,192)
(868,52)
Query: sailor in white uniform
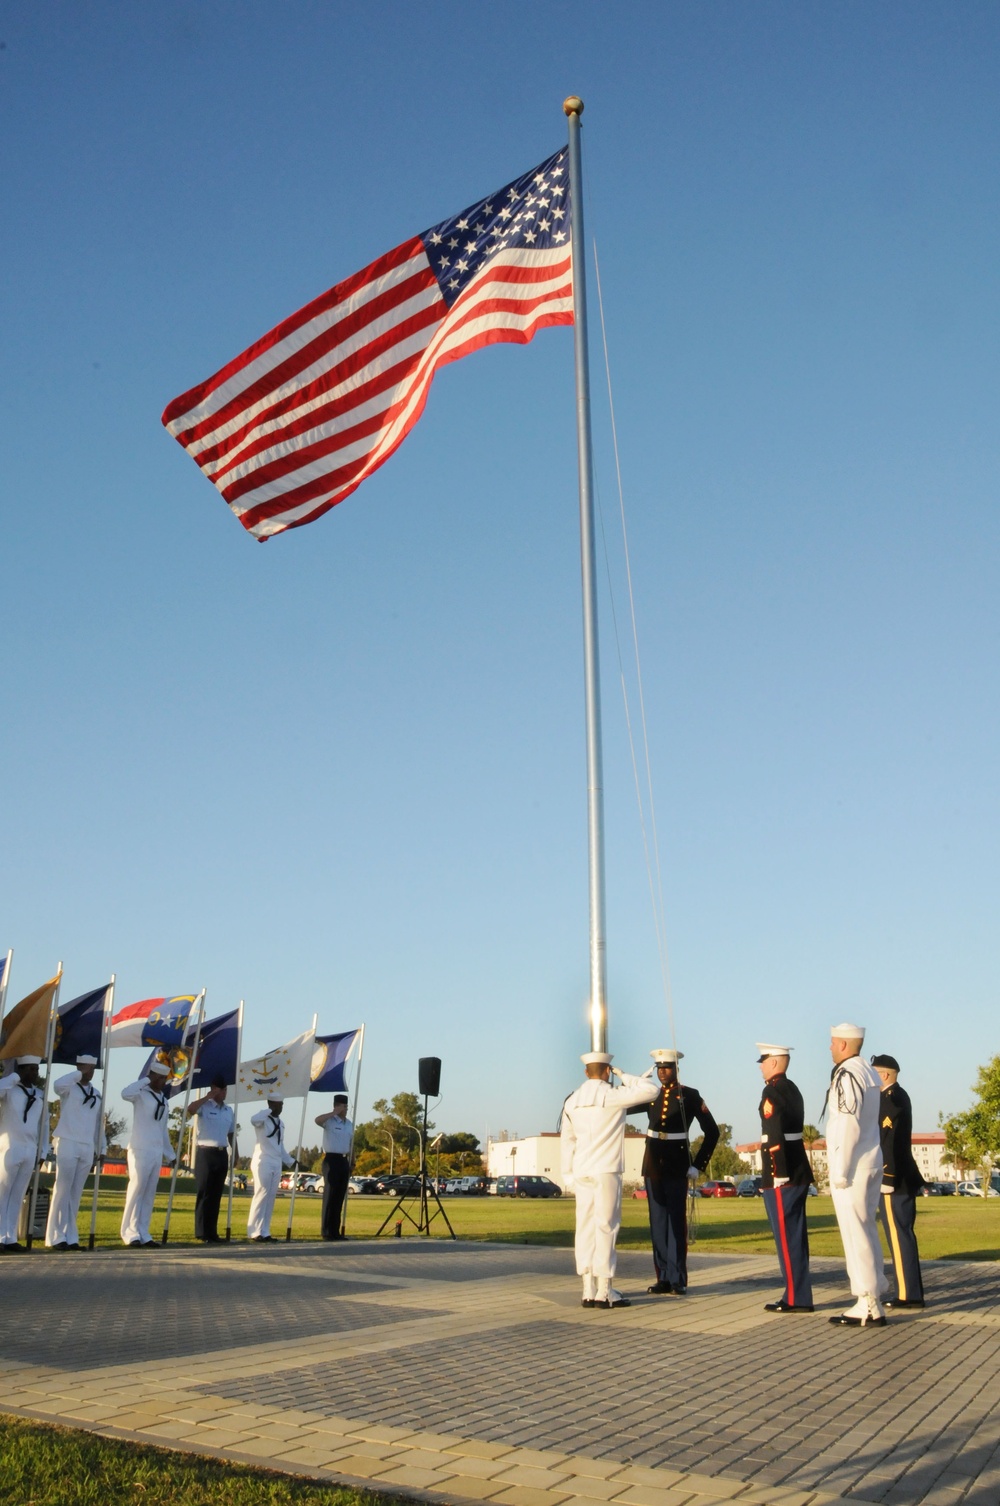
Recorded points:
(854,1163)
(24,1140)
(148,1148)
(79,1138)
(269,1156)
(593,1161)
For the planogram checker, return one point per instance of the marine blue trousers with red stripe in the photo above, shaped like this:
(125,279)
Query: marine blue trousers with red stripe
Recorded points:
(667,1205)
(786,1213)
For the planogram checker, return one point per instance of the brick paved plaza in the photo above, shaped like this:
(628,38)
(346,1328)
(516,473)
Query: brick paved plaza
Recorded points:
(470,1372)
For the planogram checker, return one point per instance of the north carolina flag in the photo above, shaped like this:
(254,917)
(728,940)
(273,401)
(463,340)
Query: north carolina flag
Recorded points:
(152,1022)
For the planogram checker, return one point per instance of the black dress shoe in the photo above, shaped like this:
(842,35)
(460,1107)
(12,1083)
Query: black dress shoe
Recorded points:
(842,1320)
(787,1307)
(679,1291)
(74,1247)
(62,1245)
(660,1289)
(608,1304)
(588,1302)
(135,1244)
(147,1244)
(896,1303)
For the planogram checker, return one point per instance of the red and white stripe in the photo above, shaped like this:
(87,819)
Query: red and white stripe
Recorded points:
(293,425)
(127,1023)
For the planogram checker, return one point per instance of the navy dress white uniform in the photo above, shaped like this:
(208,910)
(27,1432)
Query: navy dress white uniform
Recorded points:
(901,1182)
(79,1139)
(269,1156)
(854,1163)
(668,1169)
(593,1162)
(214,1124)
(148,1148)
(786,1177)
(338,1140)
(23,1118)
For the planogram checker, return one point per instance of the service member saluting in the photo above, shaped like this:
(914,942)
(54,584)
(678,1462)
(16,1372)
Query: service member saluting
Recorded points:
(901,1181)
(593,1161)
(338,1140)
(23,1115)
(79,1140)
(213,1136)
(269,1156)
(148,1148)
(786,1177)
(669,1170)
(854,1161)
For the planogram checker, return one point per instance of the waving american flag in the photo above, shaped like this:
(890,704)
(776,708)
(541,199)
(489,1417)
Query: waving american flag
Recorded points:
(293,425)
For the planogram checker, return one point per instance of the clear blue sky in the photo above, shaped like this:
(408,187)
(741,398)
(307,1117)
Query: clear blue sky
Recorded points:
(343,772)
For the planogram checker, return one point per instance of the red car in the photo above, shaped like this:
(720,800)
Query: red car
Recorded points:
(717,1189)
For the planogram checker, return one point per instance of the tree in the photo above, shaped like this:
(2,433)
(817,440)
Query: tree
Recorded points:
(392,1141)
(810,1134)
(973,1138)
(724,1161)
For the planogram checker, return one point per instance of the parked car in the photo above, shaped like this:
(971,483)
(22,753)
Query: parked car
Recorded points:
(748,1187)
(527,1187)
(942,1189)
(402,1186)
(974,1189)
(367,1185)
(718,1189)
(300,1180)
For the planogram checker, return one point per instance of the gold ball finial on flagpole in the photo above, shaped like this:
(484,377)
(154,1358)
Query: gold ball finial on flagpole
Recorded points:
(573,105)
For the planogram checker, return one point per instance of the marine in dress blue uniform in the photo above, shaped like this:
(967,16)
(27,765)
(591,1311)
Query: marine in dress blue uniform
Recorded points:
(786,1177)
(668,1170)
(901,1183)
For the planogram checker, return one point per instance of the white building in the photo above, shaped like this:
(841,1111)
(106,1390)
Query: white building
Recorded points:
(928,1152)
(541,1155)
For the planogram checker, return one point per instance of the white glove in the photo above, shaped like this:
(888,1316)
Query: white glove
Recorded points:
(693,1173)
(781,1181)
(885,1187)
(840,1183)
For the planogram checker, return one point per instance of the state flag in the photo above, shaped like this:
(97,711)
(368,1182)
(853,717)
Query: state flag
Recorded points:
(26,1027)
(153,1022)
(329,1062)
(285,1071)
(79,1025)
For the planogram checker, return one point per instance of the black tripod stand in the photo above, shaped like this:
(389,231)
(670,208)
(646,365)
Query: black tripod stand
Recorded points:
(423,1194)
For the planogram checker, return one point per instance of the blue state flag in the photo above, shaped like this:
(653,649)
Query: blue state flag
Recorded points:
(79,1025)
(327,1074)
(166,1024)
(217,1050)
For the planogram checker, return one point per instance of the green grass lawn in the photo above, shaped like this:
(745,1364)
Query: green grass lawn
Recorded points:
(960,1228)
(42,1465)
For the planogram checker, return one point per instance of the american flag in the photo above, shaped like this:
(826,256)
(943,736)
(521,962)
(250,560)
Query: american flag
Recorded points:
(293,425)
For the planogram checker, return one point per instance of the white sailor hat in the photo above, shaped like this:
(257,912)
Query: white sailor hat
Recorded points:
(29,1061)
(597,1058)
(163,1068)
(847,1032)
(275,1097)
(663,1056)
(767,1049)
(86,1060)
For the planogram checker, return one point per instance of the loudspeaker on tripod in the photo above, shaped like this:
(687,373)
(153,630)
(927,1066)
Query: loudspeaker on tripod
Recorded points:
(429,1073)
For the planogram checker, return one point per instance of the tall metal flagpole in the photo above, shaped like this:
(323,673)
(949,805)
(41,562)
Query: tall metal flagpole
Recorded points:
(109,1004)
(4,981)
(234,1148)
(187,1098)
(50,1046)
(354,1120)
(573,108)
(302,1130)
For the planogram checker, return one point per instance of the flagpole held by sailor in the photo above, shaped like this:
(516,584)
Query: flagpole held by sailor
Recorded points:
(23,1116)
(269,1156)
(79,1138)
(593,1162)
(149,1147)
(854,1162)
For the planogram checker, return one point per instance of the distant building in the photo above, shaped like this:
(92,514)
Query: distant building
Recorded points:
(541,1155)
(928,1152)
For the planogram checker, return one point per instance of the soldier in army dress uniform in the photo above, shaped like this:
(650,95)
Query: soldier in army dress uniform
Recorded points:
(669,1170)
(901,1182)
(786,1177)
